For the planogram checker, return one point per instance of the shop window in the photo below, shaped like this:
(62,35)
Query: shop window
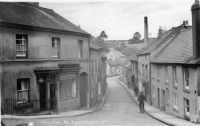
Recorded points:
(68,89)
(23,90)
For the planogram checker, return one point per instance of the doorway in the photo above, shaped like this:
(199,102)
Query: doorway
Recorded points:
(43,96)
(163,100)
(158,98)
(52,96)
(83,89)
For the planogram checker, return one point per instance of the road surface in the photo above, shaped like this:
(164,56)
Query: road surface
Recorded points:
(119,110)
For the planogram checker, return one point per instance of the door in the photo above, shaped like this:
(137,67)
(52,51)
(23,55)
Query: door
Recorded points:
(83,89)
(158,98)
(163,100)
(52,96)
(42,89)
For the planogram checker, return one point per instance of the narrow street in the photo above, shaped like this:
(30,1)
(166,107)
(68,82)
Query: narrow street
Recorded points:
(119,110)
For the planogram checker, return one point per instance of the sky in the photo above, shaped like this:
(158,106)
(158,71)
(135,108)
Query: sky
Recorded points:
(120,19)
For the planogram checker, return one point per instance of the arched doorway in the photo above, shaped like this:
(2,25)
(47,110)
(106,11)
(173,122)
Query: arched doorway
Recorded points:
(83,89)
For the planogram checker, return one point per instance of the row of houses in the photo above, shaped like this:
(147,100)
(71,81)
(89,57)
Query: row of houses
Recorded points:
(167,70)
(46,62)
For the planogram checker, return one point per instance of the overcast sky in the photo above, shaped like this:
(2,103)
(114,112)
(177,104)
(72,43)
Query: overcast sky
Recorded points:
(122,18)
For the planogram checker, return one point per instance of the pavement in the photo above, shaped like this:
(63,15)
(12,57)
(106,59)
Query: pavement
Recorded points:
(118,110)
(62,114)
(160,115)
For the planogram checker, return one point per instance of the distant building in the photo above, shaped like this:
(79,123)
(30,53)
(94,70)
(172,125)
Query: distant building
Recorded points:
(44,61)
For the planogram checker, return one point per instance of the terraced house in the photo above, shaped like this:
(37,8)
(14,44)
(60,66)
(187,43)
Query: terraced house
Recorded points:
(175,71)
(98,73)
(44,60)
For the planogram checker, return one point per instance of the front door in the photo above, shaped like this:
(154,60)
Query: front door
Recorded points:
(83,89)
(158,98)
(42,89)
(52,96)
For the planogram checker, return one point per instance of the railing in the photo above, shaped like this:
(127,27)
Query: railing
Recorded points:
(30,107)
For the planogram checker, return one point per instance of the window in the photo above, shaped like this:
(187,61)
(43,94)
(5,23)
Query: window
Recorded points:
(21,45)
(186,78)
(96,65)
(99,88)
(23,90)
(166,74)
(74,88)
(146,71)
(174,74)
(186,107)
(142,69)
(175,101)
(80,48)
(92,65)
(68,88)
(55,47)
(158,72)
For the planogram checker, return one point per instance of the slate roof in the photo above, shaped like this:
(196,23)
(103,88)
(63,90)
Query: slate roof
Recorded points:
(29,15)
(178,50)
(95,46)
(100,43)
(157,42)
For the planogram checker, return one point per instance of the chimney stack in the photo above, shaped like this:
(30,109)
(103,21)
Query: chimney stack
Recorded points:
(196,29)
(146,32)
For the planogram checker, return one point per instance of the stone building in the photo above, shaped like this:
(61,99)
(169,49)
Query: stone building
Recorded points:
(98,73)
(175,75)
(45,60)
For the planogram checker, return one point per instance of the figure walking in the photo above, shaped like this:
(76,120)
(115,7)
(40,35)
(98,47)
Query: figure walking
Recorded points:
(141,99)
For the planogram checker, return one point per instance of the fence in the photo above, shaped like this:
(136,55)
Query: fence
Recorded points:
(30,107)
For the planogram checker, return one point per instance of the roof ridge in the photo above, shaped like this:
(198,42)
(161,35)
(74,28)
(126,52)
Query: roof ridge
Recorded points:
(177,32)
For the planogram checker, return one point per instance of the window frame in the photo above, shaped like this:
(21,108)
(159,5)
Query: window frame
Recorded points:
(23,90)
(80,48)
(175,101)
(174,75)
(186,107)
(55,54)
(186,81)
(24,38)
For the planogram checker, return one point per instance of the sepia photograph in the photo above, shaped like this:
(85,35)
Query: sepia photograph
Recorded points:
(100,62)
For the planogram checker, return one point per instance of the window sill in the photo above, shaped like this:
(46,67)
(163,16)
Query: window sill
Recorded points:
(187,116)
(167,82)
(23,105)
(167,104)
(186,90)
(175,108)
(175,87)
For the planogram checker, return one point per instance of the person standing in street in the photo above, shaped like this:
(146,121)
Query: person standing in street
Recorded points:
(141,99)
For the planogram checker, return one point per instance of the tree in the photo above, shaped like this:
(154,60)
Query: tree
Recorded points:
(103,35)
(137,36)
